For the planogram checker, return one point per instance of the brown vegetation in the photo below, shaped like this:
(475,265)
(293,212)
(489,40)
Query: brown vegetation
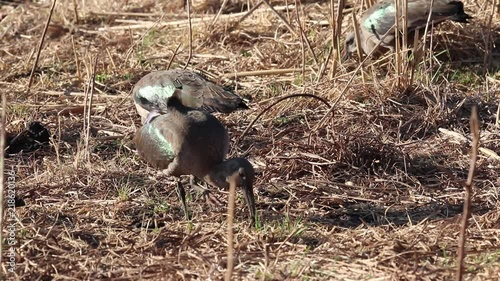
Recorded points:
(375,192)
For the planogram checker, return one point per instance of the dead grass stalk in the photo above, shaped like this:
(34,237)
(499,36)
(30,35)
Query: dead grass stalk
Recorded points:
(230,229)
(40,46)
(461,252)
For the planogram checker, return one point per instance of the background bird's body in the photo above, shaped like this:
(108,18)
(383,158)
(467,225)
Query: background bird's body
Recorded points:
(379,20)
(154,90)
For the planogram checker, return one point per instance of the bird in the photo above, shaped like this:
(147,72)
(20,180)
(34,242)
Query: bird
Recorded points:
(187,141)
(379,20)
(153,91)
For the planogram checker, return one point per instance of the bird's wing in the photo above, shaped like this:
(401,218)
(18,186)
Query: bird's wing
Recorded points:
(206,143)
(198,92)
(159,141)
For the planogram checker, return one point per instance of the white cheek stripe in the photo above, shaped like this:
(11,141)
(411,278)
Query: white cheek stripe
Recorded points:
(157,91)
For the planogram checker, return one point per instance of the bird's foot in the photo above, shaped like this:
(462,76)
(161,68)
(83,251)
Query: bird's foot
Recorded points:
(207,194)
(211,199)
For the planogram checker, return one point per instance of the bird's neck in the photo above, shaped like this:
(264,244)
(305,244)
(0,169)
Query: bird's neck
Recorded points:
(217,177)
(175,103)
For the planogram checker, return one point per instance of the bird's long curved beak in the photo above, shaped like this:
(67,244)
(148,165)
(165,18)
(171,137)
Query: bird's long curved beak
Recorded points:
(249,199)
(344,55)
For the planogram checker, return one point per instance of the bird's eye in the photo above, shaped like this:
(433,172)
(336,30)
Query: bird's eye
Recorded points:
(242,175)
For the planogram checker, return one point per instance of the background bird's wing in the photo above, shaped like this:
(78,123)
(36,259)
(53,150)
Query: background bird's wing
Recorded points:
(199,92)
(442,10)
(379,18)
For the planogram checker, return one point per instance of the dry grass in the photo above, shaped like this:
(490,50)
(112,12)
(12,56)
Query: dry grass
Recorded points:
(375,193)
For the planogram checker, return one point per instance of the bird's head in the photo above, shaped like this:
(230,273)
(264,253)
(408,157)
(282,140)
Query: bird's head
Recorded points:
(349,46)
(239,170)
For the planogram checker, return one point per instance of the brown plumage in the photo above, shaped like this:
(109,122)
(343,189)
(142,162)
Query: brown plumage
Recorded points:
(185,141)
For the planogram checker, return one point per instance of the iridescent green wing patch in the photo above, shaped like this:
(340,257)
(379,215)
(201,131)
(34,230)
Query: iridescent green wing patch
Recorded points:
(164,146)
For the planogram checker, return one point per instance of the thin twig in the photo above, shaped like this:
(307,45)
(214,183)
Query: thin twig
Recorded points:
(302,49)
(75,12)
(261,72)
(322,68)
(498,114)
(236,24)
(75,94)
(488,45)
(77,61)
(86,97)
(131,14)
(285,22)
(195,21)
(173,56)
(56,105)
(405,24)
(219,12)
(397,36)
(275,103)
(304,36)
(190,25)
(339,17)
(89,107)
(474,127)
(427,24)
(418,52)
(357,37)
(35,64)
(336,32)
(335,45)
(404,46)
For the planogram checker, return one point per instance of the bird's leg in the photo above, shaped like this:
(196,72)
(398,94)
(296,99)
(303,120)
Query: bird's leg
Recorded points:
(209,197)
(182,195)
